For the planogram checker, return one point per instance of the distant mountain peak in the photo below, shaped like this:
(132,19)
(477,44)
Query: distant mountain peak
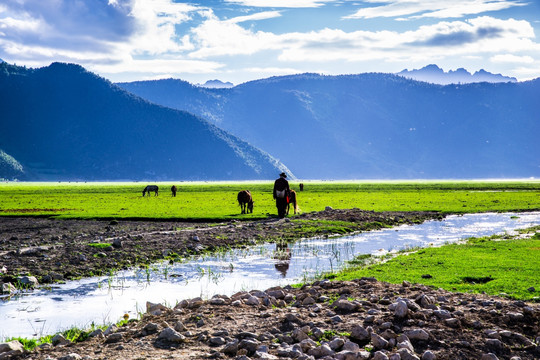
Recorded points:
(434,74)
(217,84)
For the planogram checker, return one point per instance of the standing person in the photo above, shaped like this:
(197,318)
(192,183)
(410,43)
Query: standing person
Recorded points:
(281,194)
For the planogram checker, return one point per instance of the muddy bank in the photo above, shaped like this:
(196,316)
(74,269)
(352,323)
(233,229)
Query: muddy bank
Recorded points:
(361,319)
(55,250)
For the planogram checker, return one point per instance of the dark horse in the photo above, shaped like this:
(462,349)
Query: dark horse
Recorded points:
(149,188)
(173,190)
(246,201)
(292,200)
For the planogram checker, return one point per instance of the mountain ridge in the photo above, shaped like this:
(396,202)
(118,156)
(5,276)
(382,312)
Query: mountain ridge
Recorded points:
(374,125)
(435,75)
(62,122)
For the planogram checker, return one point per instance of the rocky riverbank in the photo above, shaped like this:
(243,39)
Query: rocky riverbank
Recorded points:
(361,319)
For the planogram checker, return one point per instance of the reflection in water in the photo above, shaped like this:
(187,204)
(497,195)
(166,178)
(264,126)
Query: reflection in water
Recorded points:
(105,300)
(282,255)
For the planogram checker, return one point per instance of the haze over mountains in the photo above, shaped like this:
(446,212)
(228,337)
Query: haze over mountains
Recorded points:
(373,126)
(62,122)
(435,75)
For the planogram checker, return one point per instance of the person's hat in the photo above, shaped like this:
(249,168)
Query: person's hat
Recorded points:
(283,174)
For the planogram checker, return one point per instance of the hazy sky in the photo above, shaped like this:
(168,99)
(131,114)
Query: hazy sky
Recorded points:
(241,40)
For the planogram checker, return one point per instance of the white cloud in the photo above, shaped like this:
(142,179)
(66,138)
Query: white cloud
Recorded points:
(282,3)
(254,17)
(432,8)
(510,58)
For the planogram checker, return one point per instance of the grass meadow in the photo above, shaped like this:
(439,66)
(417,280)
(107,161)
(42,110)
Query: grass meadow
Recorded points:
(217,200)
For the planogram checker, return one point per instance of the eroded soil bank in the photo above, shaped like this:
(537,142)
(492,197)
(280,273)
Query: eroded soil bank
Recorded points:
(67,249)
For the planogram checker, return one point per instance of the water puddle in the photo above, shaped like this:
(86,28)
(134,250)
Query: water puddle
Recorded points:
(106,299)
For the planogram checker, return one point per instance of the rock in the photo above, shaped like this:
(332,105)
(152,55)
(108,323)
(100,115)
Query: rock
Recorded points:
(336,344)
(60,340)
(250,345)
(72,356)
(155,309)
(359,333)
(531,289)
(417,334)
(117,243)
(378,341)
(114,338)
(170,335)
(494,344)
(8,289)
(307,345)
(321,351)
(407,354)
(308,301)
(150,328)
(11,349)
(96,333)
(352,355)
(401,310)
(231,348)
(28,282)
(442,314)
(428,355)
(216,341)
(379,355)
(111,329)
(253,301)
(344,306)
(515,316)
(217,301)
(489,356)
(452,322)
(298,335)
(179,326)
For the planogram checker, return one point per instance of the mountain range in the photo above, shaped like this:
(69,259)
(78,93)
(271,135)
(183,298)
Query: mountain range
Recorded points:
(435,75)
(62,122)
(374,125)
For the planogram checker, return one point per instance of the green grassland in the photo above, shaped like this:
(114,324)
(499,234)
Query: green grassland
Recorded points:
(500,264)
(217,200)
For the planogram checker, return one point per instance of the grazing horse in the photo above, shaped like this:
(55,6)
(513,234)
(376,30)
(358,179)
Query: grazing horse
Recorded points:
(292,200)
(301,186)
(149,188)
(173,190)
(245,201)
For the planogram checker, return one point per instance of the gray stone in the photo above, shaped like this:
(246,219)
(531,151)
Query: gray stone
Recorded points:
(155,309)
(231,348)
(336,344)
(344,306)
(111,329)
(250,345)
(452,322)
(352,355)
(59,340)
(495,344)
(114,338)
(72,356)
(442,314)
(179,326)
(359,333)
(28,281)
(321,351)
(405,345)
(170,335)
(150,328)
(406,354)
(217,341)
(489,356)
(351,346)
(307,345)
(308,301)
(117,243)
(7,289)
(253,301)
(378,341)
(263,355)
(417,334)
(379,355)
(401,310)
(96,333)
(428,355)
(298,335)
(336,319)
(217,301)
(11,348)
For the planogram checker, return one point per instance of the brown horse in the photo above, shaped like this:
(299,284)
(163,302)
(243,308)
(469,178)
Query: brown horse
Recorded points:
(292,200)
(245,201)
(173,190)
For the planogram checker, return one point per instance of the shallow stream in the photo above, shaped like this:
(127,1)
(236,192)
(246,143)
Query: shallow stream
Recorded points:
(103,300)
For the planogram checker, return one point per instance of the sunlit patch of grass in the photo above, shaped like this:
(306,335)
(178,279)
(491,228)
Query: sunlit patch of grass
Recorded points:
(500,264)
(217,201)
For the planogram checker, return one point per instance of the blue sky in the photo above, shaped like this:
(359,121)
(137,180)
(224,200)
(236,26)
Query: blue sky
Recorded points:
(242,40)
